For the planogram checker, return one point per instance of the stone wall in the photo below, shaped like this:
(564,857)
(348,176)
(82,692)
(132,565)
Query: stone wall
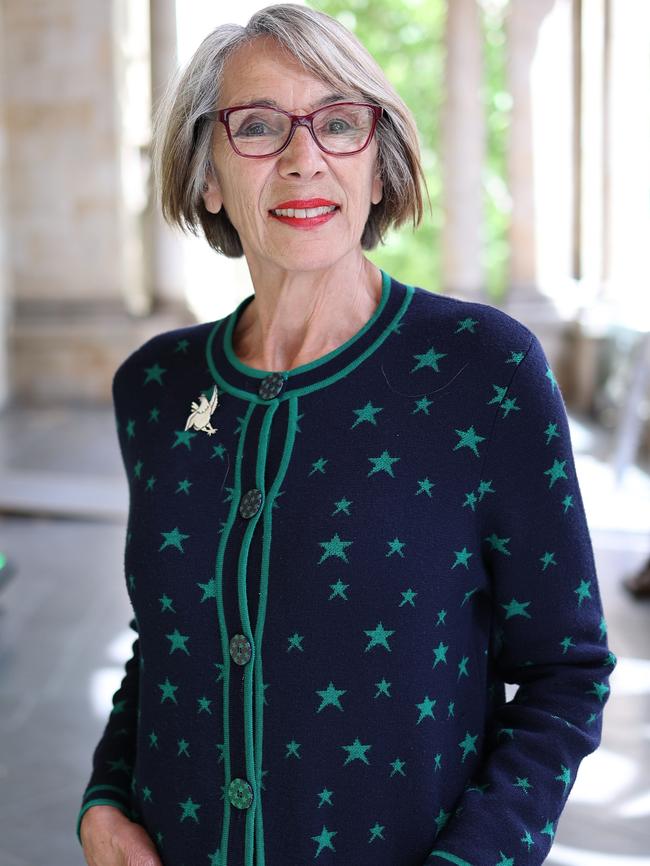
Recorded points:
(63,139)
(77,108)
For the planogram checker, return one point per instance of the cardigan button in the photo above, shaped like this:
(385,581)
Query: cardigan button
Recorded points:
(271,385)
(240,649)
(240,793)
(250,502)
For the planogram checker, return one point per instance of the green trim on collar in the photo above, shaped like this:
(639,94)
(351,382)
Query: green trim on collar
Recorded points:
(303,368)
(300,380)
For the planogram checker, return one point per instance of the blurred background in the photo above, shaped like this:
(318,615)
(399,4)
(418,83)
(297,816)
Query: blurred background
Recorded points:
(534,120)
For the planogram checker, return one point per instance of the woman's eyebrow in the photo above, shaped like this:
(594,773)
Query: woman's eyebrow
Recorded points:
(325,100)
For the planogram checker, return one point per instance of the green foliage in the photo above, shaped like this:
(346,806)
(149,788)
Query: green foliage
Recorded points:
(406,37)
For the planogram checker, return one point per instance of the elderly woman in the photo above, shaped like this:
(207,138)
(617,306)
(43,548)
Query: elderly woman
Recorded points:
(354,512)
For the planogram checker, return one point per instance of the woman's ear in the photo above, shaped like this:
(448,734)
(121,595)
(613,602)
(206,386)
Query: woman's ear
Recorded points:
(377,189)
(211,194)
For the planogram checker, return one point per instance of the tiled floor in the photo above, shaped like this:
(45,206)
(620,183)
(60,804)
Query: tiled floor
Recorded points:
(64,637)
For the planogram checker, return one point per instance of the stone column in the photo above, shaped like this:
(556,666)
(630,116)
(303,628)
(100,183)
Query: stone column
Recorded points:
(76,78)
(4,269)
(463,151)
(132,53)
(62,143)
(528,59)
(165,246)
(523,22)
(629,134)
(539,80)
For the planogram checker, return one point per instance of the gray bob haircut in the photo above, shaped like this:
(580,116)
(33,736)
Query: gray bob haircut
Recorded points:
(182,137)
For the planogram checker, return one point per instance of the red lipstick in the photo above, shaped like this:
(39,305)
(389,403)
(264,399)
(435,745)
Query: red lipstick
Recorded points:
(305,223)
(304,203)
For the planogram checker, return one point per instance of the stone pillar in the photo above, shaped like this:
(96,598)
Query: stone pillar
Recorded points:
(463,151)
(4,269)
(629,133)
(523,21)
(62,146)
(591,144)
(165,246)
(539,80)
(132,90)
(76,76)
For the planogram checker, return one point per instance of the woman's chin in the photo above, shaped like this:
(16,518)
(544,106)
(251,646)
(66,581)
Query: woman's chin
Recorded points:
(306,256)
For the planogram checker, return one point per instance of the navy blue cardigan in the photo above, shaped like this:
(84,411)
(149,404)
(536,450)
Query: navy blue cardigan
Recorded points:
(334,571)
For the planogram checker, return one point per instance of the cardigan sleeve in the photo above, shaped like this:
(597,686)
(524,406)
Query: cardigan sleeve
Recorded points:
(548,633)
(114,756)
(113,760)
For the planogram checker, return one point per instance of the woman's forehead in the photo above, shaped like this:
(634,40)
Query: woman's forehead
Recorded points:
(264,71)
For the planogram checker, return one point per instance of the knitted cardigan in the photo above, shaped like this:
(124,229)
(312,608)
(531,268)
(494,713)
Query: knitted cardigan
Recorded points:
(334,572)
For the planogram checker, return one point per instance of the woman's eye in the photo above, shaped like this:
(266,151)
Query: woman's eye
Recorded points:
(337,126)
(252,129)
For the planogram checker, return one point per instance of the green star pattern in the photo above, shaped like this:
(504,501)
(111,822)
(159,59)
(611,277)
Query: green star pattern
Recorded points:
(343,505)
(468,745)
(330,696)
(516,608)
(190,809)
(467,324)
(426,709)
(334,547)
(184,437)
(462,557)
(429,359)
(324,840)
(366,414)
(379,636)
(469,439)
(425,486)
(154,374)
(173,538)
(168,691)
(383,463)
(421,520)
(440,654)
(356,752)
(556,472)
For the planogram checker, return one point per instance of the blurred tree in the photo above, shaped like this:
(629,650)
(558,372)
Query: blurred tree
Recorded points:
(406,37)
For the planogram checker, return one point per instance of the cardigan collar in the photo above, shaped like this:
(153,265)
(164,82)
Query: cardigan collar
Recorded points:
(237,378)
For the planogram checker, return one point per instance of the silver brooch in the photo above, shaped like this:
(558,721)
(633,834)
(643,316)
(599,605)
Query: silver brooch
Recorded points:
(199,418)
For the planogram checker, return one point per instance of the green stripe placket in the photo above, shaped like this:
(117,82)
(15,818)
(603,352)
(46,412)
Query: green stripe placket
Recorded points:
(223,626)
(267,516)
(240,381)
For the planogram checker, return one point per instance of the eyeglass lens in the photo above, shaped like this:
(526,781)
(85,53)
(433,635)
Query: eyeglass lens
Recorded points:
(260,131)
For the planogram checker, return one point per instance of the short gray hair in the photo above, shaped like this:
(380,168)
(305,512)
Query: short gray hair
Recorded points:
(182,138)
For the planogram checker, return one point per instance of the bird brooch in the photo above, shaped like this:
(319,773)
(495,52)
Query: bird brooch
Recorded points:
(199,418)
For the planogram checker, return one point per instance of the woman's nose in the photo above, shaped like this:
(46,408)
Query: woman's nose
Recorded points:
(302,155)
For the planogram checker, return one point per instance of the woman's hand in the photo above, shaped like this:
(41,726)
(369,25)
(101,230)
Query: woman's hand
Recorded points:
(109,838)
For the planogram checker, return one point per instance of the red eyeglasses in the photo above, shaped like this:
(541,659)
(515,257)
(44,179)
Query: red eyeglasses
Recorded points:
(340,129)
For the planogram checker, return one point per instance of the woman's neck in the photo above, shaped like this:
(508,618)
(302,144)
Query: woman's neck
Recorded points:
(302,318)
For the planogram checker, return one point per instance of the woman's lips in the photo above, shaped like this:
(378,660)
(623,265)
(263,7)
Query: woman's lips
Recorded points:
(305,203)
(305,222)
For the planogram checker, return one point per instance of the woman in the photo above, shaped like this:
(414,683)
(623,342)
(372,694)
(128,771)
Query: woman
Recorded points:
(354,512)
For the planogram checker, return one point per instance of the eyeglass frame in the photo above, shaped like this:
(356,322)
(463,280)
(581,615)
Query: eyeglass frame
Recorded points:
(222,115)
